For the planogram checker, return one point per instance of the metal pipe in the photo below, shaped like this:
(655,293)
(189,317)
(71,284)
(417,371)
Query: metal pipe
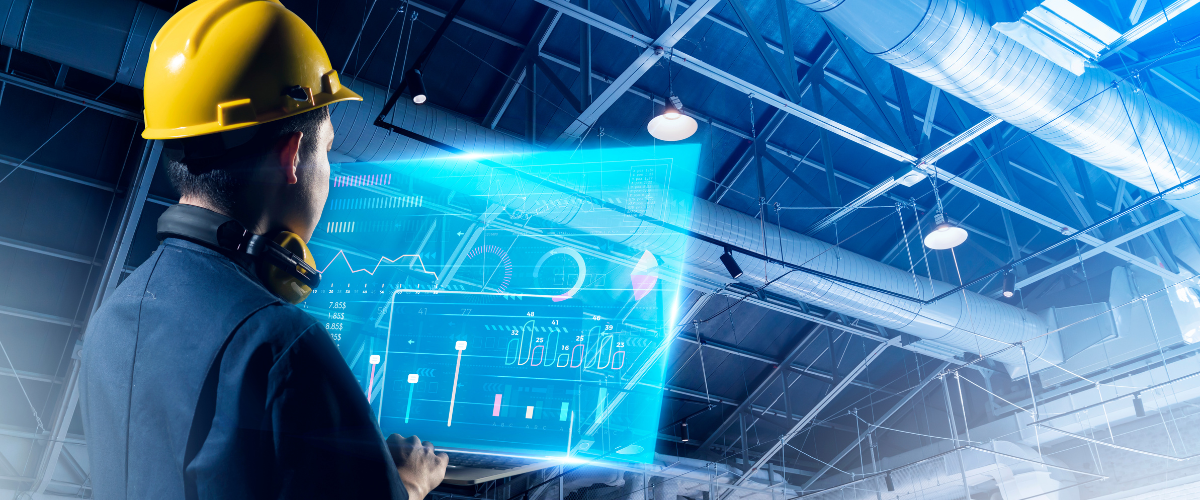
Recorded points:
(1094,116)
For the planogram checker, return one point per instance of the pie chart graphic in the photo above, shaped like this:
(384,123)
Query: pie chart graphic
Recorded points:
(644,275)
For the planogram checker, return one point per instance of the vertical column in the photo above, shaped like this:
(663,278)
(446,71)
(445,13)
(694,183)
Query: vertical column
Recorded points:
(139,189)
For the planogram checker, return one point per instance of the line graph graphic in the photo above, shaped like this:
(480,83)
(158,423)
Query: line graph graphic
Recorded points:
(382,260)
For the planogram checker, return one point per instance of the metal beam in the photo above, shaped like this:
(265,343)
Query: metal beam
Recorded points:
(70,97)
(531,97)
(1145,27)
(558,84)
(770,157)
(59,174)
(1180,85)
(667,40)
(819,375)
(44,250)
(858,113)
(832,75)
(1075,260)
(633,15)
(1171,57)
(738,84)
(1057,226)
(984,153)
(928,125)
(37,316)
(650,55)
(871,428)
(517,76)
(868,84)
(812,413)
(814,74)
(702,398)
(930,112)
(585,59)
(831,188)
(887,184)
(785,35)
(906,111)
(774,121)
(1064,186)
(805,338)
(65,409)
(468,24)
(31,376)
(1159,245)
(786,80)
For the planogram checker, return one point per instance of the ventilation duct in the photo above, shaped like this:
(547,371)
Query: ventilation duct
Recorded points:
(109,38)
(945,321)
(117,45)
(949,44)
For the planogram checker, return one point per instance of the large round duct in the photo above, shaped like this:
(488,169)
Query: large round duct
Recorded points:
(949,44)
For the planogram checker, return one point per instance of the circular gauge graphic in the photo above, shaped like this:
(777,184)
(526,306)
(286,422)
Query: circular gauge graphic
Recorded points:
(490,276)
(578,261)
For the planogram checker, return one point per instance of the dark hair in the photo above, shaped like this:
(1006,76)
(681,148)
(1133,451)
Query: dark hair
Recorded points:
(220,179)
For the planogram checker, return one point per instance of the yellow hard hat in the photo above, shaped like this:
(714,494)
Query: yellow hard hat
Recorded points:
(220,65)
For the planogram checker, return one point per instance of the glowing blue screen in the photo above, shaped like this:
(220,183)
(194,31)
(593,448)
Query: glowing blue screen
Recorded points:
(484,309)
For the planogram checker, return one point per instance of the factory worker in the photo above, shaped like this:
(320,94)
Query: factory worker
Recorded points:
(200,376)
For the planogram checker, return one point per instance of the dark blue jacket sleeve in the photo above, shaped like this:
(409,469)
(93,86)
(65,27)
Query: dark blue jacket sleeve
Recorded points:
(290,419)
(327,444)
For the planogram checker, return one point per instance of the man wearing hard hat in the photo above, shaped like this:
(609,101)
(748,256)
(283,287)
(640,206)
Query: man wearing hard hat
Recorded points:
(200,377)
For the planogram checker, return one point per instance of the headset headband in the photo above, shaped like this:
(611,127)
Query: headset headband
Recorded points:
(205,227)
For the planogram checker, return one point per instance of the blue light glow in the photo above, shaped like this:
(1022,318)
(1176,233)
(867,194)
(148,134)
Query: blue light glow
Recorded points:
(550,311)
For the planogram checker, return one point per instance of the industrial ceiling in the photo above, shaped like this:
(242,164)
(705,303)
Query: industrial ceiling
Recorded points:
(830,121)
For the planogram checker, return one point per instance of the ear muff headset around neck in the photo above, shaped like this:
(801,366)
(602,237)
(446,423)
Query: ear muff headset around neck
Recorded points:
(283,263)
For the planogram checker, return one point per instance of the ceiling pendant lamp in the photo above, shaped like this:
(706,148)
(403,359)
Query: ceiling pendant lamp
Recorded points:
(672,125)
(1010,284)
(945,234)
(416,86)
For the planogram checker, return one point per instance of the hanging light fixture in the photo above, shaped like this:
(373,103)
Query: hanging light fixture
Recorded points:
(672,125)
(686,434)
(887,480)
(945,234)
(1138,407)
(1010,284)
(416,87)
(735,271)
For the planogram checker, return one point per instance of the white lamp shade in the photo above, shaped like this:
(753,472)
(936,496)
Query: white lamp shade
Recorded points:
(945,236)
(667,129)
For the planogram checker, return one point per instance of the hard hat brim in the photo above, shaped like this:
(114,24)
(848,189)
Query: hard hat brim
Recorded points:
(343,94)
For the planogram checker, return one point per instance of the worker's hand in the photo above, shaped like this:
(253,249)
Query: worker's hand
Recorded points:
(421,470)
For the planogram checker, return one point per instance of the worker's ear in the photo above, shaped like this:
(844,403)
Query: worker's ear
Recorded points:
(289,155)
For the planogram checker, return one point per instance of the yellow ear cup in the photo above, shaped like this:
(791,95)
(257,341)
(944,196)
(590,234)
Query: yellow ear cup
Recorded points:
(281,282)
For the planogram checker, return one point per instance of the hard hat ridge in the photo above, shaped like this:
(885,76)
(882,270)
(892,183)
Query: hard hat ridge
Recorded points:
(222,65)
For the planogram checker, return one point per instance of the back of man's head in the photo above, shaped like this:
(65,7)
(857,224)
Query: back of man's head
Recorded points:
(220,180)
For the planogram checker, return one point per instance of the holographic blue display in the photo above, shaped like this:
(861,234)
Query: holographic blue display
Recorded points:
(489,311)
